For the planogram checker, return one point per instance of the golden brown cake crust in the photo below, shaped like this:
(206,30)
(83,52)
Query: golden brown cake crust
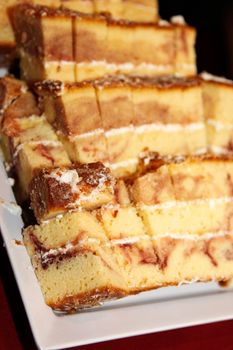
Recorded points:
(150,161)
(57,88)
(10,89)
(47,191)
(163,82)
(96,296)
(91,299)
(42,11)
(209,78)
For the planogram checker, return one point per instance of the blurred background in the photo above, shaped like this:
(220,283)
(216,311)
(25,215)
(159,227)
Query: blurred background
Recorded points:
(214,22)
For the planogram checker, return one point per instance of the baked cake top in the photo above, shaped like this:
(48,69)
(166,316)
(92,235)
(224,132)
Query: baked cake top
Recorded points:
(38,11)
(58,88)
(215,79)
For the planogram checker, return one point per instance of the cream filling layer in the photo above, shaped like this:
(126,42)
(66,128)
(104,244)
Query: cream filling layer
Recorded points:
(123,164)
(124,67)
(211,202)
(120,131)
(219,150)
(92,196)
(68,176)
(95,132)
(200,151)
(35,143)
(71,178)
(210,77)
(191,127)
(49,64)
(69,247)
(178,19)
(218,125)
(128,66)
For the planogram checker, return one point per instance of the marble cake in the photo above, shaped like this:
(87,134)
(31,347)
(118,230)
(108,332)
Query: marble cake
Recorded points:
(126,116)
(79,46)
(177,231)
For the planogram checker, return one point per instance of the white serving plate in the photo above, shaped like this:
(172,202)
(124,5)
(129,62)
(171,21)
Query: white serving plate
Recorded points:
(164,309)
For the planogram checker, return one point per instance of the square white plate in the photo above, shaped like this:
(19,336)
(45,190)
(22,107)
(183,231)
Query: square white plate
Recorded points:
(164,309)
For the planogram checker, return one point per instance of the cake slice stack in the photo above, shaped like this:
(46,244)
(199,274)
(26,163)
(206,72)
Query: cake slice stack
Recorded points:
(33,145)
(28,141)
(58,190)
(177,231)
(126,116)
(140,10)
(218,104)
(70,46)
(113,153)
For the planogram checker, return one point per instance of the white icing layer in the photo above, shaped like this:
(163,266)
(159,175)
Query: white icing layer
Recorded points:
(128,240)
(219,150)
(179,19)
(164,23)
(218,125)
(95,132)
(153,67)
(123,164)
(91,196)
(69,177)
(125,67)
(210,77)
(48,64)
(119,131)
(200,151)
(132,240)
(211,202)
(93,63)
(34,143)
(192,127)
(54,252)
(193,237)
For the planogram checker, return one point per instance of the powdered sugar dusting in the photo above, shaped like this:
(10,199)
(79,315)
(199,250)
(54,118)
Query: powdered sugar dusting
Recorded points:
(86,182)
(210,77)
(55,87)
(163,23)
(69,177)
(178,20)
